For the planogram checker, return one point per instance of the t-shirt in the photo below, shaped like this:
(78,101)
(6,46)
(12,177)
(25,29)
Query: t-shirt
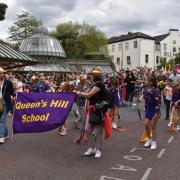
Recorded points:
(99,96)
(174,78)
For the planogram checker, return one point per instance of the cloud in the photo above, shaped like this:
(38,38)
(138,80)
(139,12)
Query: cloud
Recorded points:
(112,17)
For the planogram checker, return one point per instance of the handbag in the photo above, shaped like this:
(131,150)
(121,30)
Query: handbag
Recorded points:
(2,101)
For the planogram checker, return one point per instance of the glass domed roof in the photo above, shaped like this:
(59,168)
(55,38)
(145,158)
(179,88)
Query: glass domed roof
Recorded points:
(42,44)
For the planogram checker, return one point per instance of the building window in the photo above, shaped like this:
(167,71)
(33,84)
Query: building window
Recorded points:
(174,49)
(135,44)
(113,48)
(128,60)
(165,53)
(120,47)
(157,59)
(127,45)
(118,61)
(165,47)
(146,58)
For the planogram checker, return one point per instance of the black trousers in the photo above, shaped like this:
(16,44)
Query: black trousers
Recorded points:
(167,102)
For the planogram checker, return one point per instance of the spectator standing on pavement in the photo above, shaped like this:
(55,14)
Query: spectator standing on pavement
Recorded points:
(6,91)
(42,86)
(174,77)
(167,91)
(175,114)
(130,86)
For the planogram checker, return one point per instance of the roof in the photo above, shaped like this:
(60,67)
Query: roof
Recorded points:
(40,43)
(104,68)
(129,36)
(10,58)
(160,37)
(54,67)
(88,65)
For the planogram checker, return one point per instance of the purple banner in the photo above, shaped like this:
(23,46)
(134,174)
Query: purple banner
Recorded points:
(40,112)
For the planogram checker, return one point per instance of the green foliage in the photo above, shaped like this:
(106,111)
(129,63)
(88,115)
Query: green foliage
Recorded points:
(172,62)
(23,27)
(3,8)
(80,39)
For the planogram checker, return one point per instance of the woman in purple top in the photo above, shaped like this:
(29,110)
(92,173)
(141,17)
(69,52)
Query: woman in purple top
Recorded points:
(175,112)
(152,110)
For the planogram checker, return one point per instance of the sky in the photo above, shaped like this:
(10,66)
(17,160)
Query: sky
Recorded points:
(113,17)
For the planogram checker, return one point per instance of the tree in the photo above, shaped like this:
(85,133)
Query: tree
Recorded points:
(171,62)
(80,39)
(23,27)
(3,8)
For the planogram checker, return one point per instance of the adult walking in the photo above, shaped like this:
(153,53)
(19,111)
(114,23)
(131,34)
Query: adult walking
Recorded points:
(96,97)
(6,91)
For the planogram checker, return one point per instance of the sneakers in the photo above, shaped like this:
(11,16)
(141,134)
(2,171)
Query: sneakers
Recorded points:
(120,129)
(169,124)
(98,154)
(7,137)
(153,145)
(2,140)
(90,151)
(148,143)
(114,125)
(63,131)
(178,128)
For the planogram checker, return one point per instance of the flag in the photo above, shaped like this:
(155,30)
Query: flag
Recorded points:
(40,112)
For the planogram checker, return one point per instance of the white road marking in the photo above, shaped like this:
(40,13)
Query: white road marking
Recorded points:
(133,158)
(123,168)
(110,178)
(170,139)
(147,173)
(161,153)
(134,149)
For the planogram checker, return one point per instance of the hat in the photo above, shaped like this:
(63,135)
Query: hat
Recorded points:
(96,70)
(2,70)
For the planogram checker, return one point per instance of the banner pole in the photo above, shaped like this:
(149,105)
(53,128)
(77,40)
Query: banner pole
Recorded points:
(12,131)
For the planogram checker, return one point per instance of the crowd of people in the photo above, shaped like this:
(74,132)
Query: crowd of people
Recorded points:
(99,93)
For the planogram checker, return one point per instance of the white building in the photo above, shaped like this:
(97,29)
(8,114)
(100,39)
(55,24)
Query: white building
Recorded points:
(139,49)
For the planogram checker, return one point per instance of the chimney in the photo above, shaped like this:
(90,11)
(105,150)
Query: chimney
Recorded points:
(173,31)
(130,33)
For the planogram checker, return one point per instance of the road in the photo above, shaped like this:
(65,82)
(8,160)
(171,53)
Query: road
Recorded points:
(48,156)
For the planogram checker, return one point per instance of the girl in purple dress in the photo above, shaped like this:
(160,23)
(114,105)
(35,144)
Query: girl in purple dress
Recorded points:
(116,105)
(152,111)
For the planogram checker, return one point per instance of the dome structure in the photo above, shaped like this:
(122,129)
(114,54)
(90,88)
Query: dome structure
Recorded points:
(42,46)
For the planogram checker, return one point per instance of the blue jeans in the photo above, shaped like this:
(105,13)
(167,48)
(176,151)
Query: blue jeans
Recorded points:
(3,123)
